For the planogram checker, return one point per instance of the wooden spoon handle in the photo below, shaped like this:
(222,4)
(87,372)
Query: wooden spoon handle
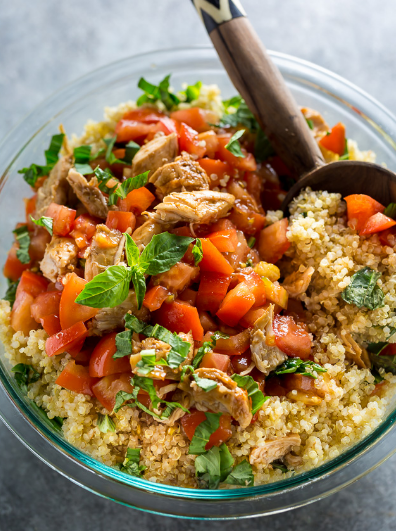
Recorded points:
(260,83)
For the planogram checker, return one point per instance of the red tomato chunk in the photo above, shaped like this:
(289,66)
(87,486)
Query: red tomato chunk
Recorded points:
(191,421)
(76,378)
(273,242)
(291,338)
(102,362)
(180,317)
(63,218)
(65,339)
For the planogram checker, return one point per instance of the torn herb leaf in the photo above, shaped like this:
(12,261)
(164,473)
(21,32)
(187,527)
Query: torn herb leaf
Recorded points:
(390,211)
(192,92)
(11,291)
(105,423)
(363,290)
(130,151)
(205,383)
(241,475)
(131,462)
(203,432)
(197,251)
(345,155)
(298,366)
(234,146)
(207,347)
(310,123)
(82,157)
(34,171)
(45,222)
(280,466)
(25,375)
(160,92)
(163,252)
(123,342)
(23,239)
(107,289)
(252,388)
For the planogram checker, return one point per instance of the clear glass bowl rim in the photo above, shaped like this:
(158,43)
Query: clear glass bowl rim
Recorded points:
(380,119)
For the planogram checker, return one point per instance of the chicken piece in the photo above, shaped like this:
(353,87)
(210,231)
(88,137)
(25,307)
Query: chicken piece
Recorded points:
(55,188)
(227,397)
(265,354)
(109,319)
(60,258)
(273,450)
(204,206)
(155,154)
(353,352)
(142,235)
(292,460)
(184,399)
(88,193)
(320,127)
(297,283)
(182,175)
(105,250)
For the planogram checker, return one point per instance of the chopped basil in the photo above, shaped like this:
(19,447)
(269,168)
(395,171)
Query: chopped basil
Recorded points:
(82,157)
(363,290)
(197,251)
(242,116)
(131,465)
(280,466)
(377,377)
(34,171)
(241,475)
(234,146)
(310,123)
(119,191)
(345,155)
(251,242)
(139,283)
(192,92)
(11,291)
(108,289)
(163,252)
(23,239)
(149,361)
(233,102)
(130,151)
(131,251)
(252,388)
(205,383)
(160,92)
(383,362)
(298,366)
(45,222)
(24,375)
(390,211)
(207,347)
(203,432)
(104,176)
(263,149)
(105,423)
(122,397)
(124,344)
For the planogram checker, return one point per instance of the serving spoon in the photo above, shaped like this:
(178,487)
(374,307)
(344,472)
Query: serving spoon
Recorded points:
(261,85)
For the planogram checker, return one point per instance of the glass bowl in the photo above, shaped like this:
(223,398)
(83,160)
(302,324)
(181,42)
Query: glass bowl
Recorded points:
(367,122)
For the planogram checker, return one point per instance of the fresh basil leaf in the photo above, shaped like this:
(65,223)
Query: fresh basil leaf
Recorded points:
(345,155)
(206,347)
(122,397)
(139,284)
(213,467)
(133,183)
(241,475)
(176,342)
(105,423)
(149,361)
(24,375)
(310,123)
(82,157)
(390,211)
(104,176)
(203,432)
(108,289)
(377,377)
(163,252)
(52,153)
(131,250)
(130,151)
(242,116)
(192,92)
(148,385)
(234,146)
(197,251)
(84,169)
(233,102)
(34,171)
(363,290)
(131,465)
(205,383)
(153,93)
(23,239)
(383,362)
(140,327)
(184,371)
(298,366)
(109,156)
(263,149)
(123,342)
(377,348)
(45,222)
(252,388)
(11,291)
(280,466)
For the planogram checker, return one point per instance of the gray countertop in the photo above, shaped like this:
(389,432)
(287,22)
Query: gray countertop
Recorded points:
(47,44)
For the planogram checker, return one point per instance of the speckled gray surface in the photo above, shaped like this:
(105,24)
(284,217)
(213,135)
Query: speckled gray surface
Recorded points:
(47,44)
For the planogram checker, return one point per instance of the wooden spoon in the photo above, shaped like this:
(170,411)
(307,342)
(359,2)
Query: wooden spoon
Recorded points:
(262,86)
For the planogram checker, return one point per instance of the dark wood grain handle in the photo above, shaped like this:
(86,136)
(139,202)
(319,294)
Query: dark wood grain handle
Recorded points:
(260,84)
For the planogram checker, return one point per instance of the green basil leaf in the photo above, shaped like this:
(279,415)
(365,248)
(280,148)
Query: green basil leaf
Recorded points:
(133,183)
(108,289)
(131,465)
(310,123)
(153,93)
(205,383)
(163,252)
(363,290)
(11,291)
(139,284)
(82,154)
(298,366)
(234,146)
(149,361)
(84,169)
(207,469)
(207,347)
(254,393)
(131,250)
(122,397)
(176,342)
(263,149)
(140,327)
(148,385)
(34,171)
(104,177)
(52,153)
(377,348)
(242,116)
(105,423)
(233,102)
(23,239)
(241,475)
(45,222)
(130,151)
(203,432)
(123,342)
(110,145)
(280,466)
(251,242)
(197,251)
(345,155)
(192,92)
(24,375)
(390,211)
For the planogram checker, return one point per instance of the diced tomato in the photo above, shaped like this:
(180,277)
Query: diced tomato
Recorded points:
(251,317)
(127,130)
(377,223)
(188,295)
(236,303)
(144,114)
(273,242)
(222,224)
(216,170)
(21,319)
(13,267)
(275,293)
(177,278)
(137,201)
(296,310)
(234,345)
(51,324)
(274,387)
(71,312)
(84,228)
(192,420)
(245,219)
(189,141)
(39,240)
(195,117)
(254,186)
(212,290)
(106,389)
(121,221)
(255,284)
(63,218)
(335,141)
(46,304)
(32,283)
(211,142)
(388,237)
(207,322)
(102,362)
(178,317)
(155,297)
(360,208)
(291,338)
(69,337)
(298,382)
(30,208)
(389,350)
(76,378)
(213,360)
(246,163)
(213,260)
(182,231)
(241,362)
(225,241)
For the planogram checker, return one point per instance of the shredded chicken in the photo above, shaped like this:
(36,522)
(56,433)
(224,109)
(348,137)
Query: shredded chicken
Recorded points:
(273,450)
(353,352)
(155,154)
(88,193)
(227,397)
(265,354)
(143,234)
(297,283)
(292,460)
(60,258)
(320,127)
(104,251)
(182,175)
(204,206)
(109,319)
(55,188)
